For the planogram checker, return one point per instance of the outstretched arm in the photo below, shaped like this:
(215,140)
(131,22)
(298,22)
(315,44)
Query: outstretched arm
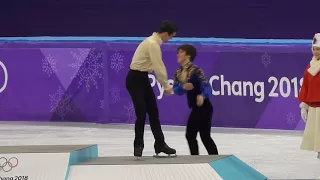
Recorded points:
(158,65)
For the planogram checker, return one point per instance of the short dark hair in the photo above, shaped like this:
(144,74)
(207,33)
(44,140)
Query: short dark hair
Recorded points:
(168,26)
(189,50)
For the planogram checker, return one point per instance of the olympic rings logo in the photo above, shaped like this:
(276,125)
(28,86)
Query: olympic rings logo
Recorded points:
(5,77)
(7,165)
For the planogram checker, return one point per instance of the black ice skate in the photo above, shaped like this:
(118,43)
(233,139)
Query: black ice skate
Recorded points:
(138,151)
(166,150)
(318,155)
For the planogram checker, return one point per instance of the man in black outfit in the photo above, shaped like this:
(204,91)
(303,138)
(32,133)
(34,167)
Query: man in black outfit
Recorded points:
(190,80)
(148,58)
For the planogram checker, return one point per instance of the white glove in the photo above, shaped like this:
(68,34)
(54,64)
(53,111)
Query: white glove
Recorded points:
(304,111)
(304,114)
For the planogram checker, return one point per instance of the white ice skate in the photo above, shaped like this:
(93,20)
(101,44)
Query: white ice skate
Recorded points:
(163,155)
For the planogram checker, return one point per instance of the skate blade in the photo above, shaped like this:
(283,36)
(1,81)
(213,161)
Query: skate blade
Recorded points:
(137,158)
(165,156)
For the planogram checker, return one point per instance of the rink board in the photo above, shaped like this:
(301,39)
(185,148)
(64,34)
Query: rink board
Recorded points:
(226,167)
(50,162)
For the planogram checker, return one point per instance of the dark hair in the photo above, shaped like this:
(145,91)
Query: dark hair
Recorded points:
(189,50)
(168,26)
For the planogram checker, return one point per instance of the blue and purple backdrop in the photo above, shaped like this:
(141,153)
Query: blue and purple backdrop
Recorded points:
(255,82)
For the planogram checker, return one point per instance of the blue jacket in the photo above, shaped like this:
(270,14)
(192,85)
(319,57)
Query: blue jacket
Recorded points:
(200,84)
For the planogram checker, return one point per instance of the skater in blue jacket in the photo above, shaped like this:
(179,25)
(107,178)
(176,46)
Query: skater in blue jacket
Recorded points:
(190,80)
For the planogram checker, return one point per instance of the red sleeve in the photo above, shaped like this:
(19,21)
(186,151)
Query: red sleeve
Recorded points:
(304,89)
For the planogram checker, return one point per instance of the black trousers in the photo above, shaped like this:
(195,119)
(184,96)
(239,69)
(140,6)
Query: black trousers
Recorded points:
(200,121)
(144,101)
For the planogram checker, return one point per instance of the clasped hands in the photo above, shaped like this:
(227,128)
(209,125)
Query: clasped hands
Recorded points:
(188,87)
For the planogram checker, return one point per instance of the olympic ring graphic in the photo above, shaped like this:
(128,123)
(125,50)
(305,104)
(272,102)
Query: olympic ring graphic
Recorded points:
(7,165)
(5,77)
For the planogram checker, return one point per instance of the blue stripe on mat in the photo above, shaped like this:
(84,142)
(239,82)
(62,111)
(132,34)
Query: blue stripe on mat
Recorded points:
(175,40)
(81,156)
(232,168)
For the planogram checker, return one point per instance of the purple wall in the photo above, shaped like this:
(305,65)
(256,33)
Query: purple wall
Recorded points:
(254,86)
(203,18)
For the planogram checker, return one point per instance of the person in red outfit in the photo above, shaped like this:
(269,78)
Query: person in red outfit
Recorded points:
(310,100)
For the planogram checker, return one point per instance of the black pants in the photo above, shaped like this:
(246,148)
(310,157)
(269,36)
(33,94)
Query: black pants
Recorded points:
(144,101)
(200,121)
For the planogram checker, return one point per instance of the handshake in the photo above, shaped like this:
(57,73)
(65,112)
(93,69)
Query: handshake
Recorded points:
(186,86)
(168,92)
